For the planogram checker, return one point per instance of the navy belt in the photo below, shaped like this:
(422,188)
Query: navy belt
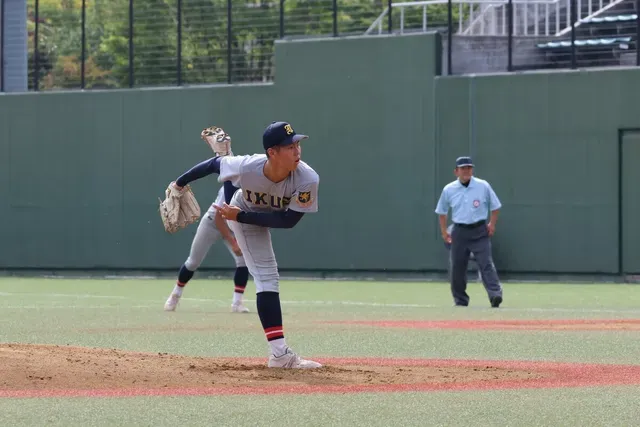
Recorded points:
(474,225)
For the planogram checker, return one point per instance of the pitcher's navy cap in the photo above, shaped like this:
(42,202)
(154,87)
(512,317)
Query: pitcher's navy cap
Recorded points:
(463,161)
(280,133)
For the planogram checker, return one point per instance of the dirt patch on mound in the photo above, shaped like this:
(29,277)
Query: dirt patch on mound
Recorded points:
(41,367)
(567,325)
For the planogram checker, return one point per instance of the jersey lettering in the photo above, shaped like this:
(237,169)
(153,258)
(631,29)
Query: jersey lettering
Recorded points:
(276,202)
(260,198)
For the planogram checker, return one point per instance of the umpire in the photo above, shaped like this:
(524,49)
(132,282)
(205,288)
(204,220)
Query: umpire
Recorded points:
(470,200)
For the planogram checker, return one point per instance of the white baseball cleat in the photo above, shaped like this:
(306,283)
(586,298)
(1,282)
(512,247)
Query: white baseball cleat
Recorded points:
(291,360)
(239,308)
(172,302)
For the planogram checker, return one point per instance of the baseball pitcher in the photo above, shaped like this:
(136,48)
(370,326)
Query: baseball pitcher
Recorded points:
(271,190)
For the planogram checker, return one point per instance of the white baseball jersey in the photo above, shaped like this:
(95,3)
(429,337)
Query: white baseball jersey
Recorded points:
(219,198)
(256,193)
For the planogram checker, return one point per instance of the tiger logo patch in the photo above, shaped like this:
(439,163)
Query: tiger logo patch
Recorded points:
(304,199)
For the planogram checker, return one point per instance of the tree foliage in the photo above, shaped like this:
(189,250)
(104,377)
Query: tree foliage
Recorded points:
(204,45)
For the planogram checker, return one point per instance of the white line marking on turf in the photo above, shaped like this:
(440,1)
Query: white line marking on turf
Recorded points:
(80,307)
(337,303)
(64,295)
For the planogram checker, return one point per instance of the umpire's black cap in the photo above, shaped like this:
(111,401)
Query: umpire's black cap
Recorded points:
(464,161)
(280,133)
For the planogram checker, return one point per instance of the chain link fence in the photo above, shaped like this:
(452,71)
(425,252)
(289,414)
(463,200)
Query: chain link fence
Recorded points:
(89,44)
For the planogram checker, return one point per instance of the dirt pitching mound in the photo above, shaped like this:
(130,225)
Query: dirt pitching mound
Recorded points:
(43,367)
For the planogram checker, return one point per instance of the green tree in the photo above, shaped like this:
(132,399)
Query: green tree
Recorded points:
(205,44)
(204,41)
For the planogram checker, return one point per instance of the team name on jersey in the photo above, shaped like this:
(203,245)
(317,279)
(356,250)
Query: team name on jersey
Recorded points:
(263,199)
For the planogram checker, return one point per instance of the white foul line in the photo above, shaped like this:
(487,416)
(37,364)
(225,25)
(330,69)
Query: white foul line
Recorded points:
(327,303)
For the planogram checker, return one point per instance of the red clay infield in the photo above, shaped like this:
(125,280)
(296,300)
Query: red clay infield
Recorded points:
(570,324)
(66,371)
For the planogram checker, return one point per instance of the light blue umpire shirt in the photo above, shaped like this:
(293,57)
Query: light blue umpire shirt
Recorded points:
(469,204)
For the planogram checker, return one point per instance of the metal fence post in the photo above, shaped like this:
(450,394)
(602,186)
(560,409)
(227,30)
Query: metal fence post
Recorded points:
(573,33)
(281,18)
(229,37)
(637,32)
(179,47)
(389,18)
(449,36)
(84,42)
(510,36)
(1,45)
(36,54)
(335,18)
(130,43)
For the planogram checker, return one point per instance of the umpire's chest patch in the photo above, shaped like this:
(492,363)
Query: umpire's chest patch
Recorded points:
(476,203)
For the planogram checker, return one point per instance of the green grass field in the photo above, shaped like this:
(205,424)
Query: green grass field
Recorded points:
(128,315)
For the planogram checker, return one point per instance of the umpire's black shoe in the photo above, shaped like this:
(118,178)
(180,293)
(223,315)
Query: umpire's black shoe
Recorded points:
(496,301)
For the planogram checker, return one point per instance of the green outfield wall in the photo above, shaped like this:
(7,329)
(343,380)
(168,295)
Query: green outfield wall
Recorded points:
(81,172)
(550,145)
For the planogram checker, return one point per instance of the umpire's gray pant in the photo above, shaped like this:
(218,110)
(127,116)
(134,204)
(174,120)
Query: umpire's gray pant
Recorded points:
(465,240)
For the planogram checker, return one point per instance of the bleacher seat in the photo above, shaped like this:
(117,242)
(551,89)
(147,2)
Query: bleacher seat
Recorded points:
(610,19)
(589,52)
(610,26)
(620,42)
(599,41)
